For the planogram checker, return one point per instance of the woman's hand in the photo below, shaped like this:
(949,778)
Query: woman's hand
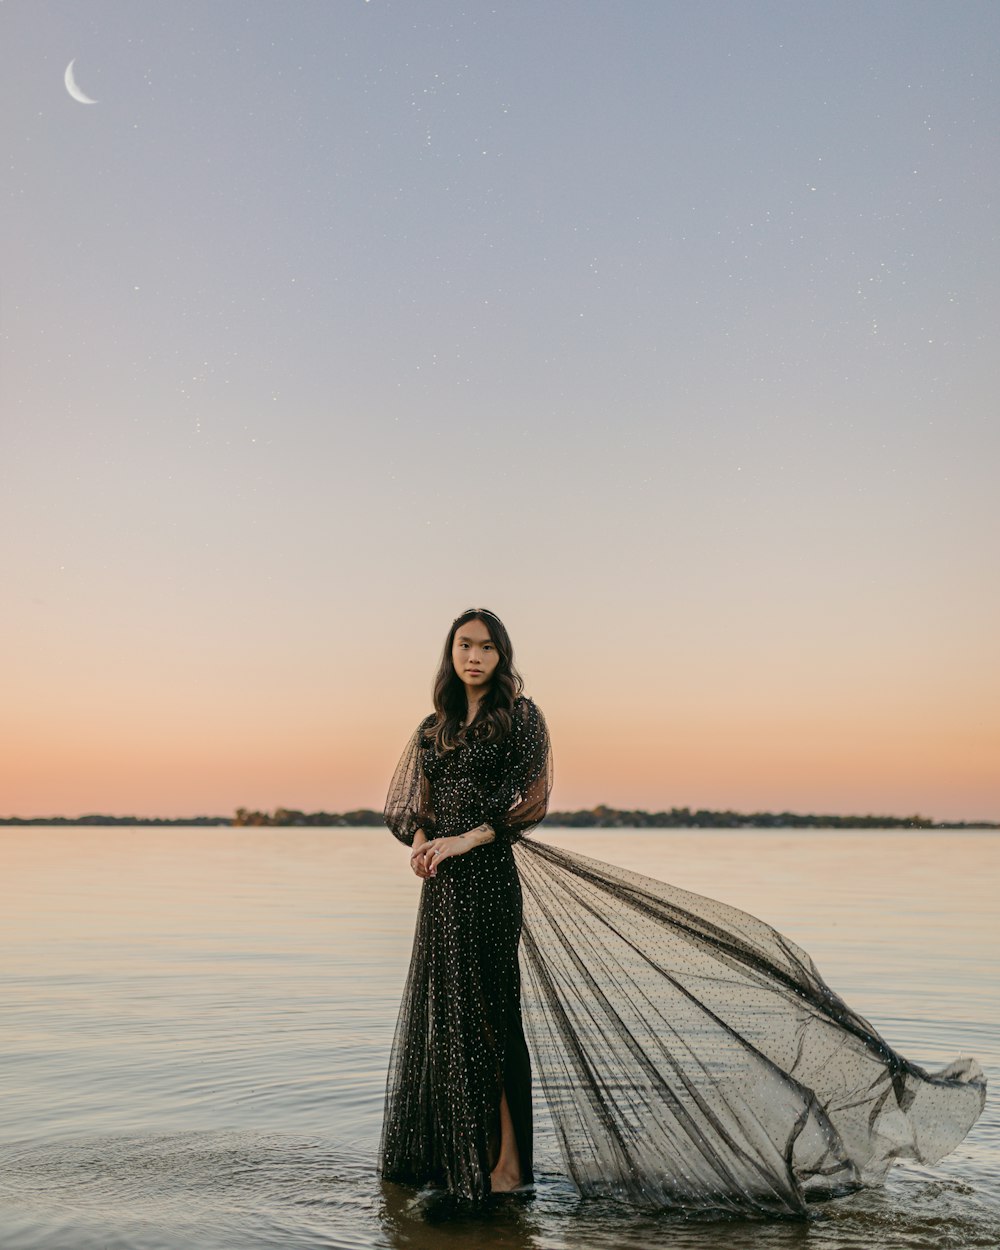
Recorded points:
(417,854)
(432,853)
(425,860)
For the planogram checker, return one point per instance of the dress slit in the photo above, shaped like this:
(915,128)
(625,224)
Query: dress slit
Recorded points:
(517,1086)
(514,1080)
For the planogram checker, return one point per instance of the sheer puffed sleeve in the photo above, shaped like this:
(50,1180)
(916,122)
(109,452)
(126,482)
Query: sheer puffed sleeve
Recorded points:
(530,782)
(408,804)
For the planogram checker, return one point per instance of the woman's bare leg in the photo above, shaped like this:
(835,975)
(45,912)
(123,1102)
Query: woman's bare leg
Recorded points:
(507,1173)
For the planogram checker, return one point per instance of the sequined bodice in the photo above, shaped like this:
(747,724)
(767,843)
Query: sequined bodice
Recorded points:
(466,782)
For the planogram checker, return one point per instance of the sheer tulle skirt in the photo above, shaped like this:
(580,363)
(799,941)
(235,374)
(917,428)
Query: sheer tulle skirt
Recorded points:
(693,1057)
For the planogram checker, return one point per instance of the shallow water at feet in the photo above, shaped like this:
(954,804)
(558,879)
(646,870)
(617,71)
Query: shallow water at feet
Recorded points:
(196,1024)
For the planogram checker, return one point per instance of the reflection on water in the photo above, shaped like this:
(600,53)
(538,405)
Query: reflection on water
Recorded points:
(197,1021)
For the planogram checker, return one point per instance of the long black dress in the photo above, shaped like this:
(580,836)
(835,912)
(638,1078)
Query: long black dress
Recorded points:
(691,1055)
(459,1041)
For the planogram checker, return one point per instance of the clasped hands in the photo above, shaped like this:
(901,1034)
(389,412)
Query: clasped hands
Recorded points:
(426,857)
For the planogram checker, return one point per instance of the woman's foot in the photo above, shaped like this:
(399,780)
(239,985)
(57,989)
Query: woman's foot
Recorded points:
(504,1180)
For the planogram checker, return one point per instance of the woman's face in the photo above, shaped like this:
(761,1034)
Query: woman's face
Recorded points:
(475,657)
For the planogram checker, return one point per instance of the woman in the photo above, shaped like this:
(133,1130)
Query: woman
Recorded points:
(472,780)
(691,1055)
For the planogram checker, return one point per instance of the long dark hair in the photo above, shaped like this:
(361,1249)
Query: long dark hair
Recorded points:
(494,717)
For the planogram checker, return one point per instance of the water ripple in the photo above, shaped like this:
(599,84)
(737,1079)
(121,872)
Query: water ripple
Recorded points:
(195,1060)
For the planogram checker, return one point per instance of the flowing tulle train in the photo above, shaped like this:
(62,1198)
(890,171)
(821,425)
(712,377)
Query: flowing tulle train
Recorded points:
(693,1057)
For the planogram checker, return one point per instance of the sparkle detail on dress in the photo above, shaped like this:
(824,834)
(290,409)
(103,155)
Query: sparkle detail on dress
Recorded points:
(459,1040)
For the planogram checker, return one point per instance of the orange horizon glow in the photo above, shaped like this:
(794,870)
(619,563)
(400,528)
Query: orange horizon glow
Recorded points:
(179,760)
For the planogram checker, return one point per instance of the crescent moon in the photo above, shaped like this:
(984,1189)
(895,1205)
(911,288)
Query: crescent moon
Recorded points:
(73,89)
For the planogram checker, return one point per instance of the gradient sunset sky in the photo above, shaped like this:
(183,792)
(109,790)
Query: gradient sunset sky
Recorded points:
(667,331)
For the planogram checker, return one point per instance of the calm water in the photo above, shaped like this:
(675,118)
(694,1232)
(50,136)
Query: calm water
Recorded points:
(196,1023)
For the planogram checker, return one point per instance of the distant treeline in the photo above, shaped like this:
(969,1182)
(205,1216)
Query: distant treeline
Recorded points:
(600,817)
(98,819)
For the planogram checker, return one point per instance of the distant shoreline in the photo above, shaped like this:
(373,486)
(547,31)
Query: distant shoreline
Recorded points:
(600,817)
